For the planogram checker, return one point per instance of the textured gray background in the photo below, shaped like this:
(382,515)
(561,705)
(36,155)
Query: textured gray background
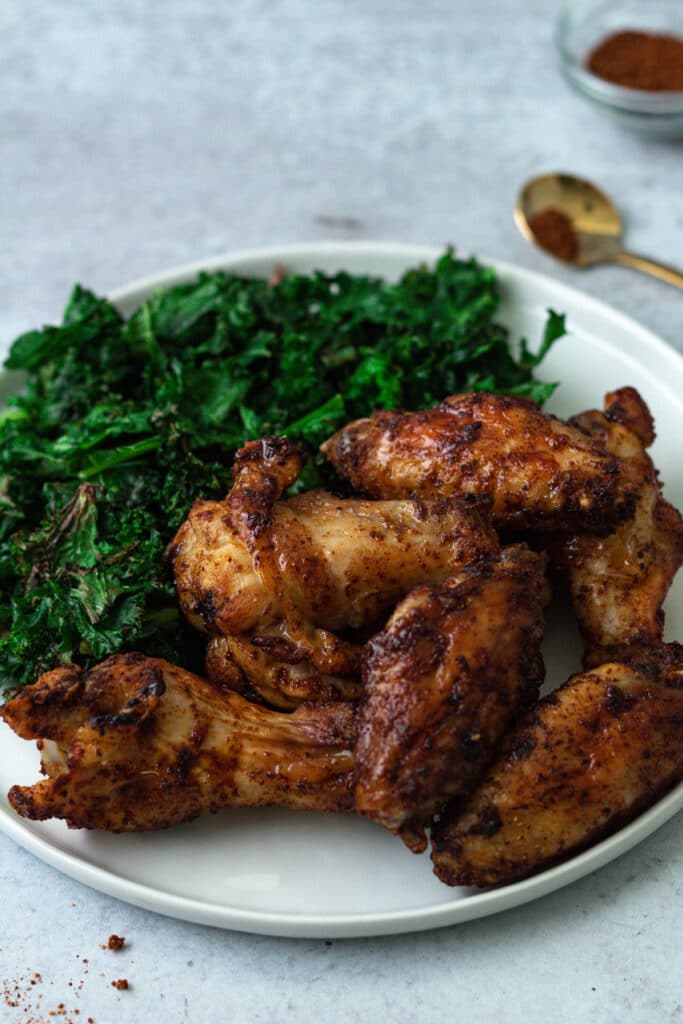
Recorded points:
(136,136)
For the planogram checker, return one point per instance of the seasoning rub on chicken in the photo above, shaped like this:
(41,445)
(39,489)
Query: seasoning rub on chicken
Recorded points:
(541,472)
(618,583)
(444,681)
(138,744)
(284,576)
(587,759)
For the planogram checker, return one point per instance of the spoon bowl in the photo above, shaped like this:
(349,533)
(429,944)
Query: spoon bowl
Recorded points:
(574,221)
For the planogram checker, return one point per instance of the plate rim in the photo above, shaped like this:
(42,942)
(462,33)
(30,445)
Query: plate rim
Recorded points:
(342,926)
(411,252)
(296,925)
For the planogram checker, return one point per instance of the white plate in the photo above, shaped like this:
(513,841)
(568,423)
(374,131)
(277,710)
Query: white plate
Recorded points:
(288,873)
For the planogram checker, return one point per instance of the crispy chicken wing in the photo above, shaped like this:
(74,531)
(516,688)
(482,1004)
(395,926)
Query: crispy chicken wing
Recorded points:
(138,744)
(618,583)
(588,758)
(443,682)
(541,472)
(310,565)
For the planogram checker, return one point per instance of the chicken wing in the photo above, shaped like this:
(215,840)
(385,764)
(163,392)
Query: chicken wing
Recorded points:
(443,682)
(312,564)
(138,744)
(618,583)
(268,667)
(588,758)
(541,473)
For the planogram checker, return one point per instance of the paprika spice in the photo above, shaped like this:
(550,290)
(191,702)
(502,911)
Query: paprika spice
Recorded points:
(639,60)
(554,232)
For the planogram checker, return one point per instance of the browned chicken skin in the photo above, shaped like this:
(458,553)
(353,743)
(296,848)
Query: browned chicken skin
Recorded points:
(269,668)
(588,758)
(618,583)
(541,473)
(443,682)
(138,744)
(253,566)
(247,562)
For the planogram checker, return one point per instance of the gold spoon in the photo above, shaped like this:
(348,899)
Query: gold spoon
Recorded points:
(576,222)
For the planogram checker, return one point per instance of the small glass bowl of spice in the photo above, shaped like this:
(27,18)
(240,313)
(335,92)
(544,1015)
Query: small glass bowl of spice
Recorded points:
(627,58)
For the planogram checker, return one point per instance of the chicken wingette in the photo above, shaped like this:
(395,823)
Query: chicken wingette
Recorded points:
(443,682)
(138,744)
(587,759)
(541,473)
(271,668)
(618,583)
(287,575)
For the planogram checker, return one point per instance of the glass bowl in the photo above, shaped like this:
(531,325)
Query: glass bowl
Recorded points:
(585,23)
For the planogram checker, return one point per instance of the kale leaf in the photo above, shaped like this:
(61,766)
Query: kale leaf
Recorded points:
(123,423)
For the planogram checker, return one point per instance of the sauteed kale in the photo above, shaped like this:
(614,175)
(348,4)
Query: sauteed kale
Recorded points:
(123,423)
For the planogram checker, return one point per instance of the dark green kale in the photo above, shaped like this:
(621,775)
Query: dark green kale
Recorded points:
(122,424)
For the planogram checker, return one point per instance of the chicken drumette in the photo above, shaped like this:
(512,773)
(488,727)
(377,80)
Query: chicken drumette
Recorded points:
(284,576)
(588,758)
(443,682)
(541,473)
(138,744)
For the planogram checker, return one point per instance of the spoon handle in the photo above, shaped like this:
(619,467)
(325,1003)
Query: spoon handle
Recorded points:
(643,263)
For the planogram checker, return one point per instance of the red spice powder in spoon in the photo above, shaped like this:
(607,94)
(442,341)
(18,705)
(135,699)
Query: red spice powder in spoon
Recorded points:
(554,232)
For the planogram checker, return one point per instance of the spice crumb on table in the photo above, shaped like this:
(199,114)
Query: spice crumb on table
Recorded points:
(23,995)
